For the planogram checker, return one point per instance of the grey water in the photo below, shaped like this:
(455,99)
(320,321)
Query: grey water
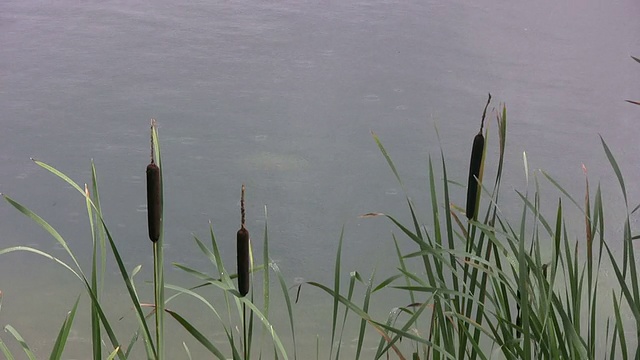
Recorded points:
(283,96)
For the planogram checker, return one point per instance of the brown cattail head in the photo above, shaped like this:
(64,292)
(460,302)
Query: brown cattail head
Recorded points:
(242,252)
(474,167)
(474,174)
(154,207)
(243,260)
(154,203)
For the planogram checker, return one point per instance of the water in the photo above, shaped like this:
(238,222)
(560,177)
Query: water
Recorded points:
(283,96)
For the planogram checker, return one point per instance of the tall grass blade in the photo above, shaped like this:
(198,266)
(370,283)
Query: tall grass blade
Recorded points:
(186,350)
(353,276)
(158,253)
(23,344)
(336,291)
(266,281)
(616,170)
(48,228)
(197,335)
(5,350)
(63,334)
(113,354)
(365,308)
(95,319)
(362,314)
(620,330)
(287,300)
(388,158)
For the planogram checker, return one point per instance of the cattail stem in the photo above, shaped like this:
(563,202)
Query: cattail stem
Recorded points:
(154,209)
(244,330)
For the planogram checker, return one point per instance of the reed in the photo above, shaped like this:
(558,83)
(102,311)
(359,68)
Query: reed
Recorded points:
(155,209)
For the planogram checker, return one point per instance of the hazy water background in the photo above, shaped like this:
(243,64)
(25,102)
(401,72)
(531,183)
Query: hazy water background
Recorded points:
(282,95)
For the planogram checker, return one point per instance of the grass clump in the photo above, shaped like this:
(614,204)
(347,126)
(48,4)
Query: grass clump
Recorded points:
(475,283)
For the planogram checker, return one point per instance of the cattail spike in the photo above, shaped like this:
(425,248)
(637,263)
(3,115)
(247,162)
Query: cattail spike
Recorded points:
(474,167)
(484,113)
(153,125)
(242,252)
(474,175)
(154,195)
(242,213)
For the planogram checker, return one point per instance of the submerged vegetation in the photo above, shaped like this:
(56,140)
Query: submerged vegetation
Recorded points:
(475,284)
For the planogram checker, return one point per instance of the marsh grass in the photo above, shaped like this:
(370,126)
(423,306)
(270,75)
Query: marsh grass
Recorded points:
(484,286)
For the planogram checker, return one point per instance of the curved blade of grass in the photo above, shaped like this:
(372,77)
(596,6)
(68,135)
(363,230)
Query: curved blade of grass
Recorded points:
(132,342)
(101,235)
(619,328)
(182,290)
(199,297)
(362,314)
(113,354)
(96,343)
(20,339)
(412,320)
(45,225)
(352,281)
(5,350)
(224,276)
(63,334)
(411,336)
(388,158)
(59,174)
(41,253)
(574,338)
(230,289)
(336,290)
(403,267)
(365,308)
(151,351)
(197,335)
(266,282)
(386,282)
(94,300)
(186,350)
(265,321)
(616,170)
(287,300)
(62,242)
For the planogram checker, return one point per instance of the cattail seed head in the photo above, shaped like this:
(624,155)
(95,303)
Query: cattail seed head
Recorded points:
(154,206)
(154,194)
(243,260)
(242,251)
(474,173)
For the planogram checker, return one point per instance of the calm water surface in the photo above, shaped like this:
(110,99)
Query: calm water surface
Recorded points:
(282,95)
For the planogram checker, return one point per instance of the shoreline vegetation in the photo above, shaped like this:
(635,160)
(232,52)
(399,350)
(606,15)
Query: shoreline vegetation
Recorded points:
(472,285)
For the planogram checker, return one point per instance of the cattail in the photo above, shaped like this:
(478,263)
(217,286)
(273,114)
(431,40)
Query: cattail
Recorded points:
(474,173)
(242,238)
(154,204)
(474,167)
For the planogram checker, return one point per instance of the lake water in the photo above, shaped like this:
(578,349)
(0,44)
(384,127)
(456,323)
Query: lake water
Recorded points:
(283,95)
